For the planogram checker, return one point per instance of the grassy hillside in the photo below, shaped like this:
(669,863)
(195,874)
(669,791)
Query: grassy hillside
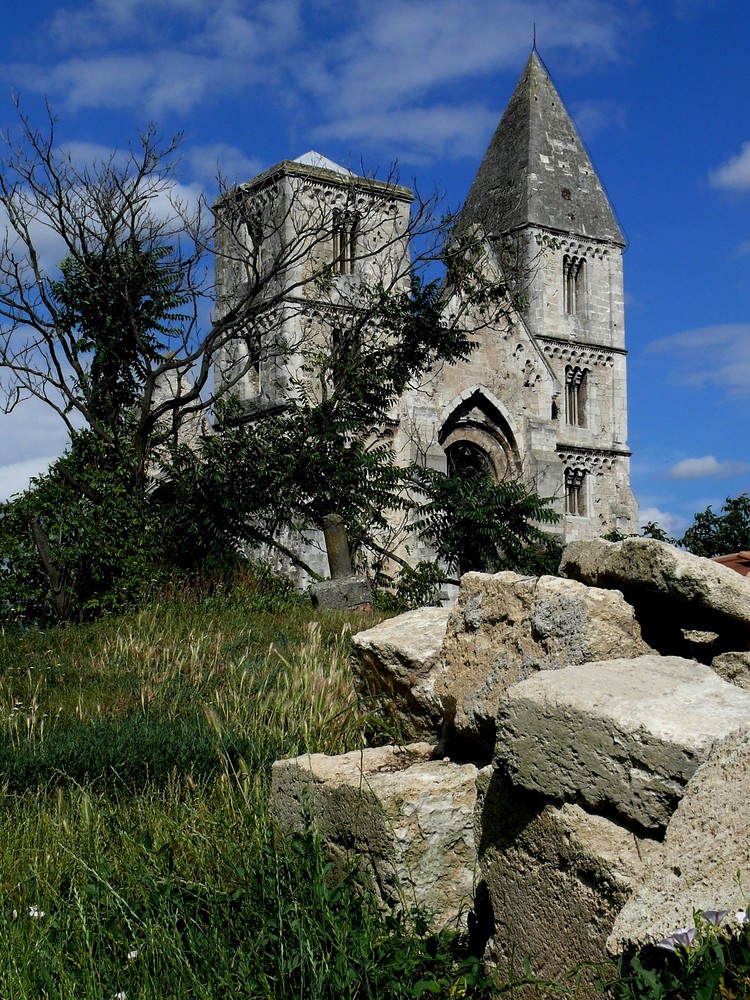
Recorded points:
(138,859)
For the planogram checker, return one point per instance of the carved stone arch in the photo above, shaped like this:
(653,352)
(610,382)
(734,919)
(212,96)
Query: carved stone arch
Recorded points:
(477,434)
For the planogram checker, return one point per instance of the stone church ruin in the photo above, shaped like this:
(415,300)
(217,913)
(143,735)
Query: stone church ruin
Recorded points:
(543,396)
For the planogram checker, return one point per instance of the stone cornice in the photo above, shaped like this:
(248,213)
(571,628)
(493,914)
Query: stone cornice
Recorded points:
(559,346)
(591,459)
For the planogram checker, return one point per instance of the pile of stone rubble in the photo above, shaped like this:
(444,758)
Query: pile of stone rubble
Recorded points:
(573,776)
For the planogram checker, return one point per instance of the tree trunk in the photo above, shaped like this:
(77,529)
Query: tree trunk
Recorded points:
(56,577)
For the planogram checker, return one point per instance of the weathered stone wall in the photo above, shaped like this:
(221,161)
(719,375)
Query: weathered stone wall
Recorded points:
(600,321)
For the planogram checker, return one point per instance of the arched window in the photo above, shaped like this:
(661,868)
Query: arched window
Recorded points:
(576,396)
(575,492)
(574,285)
(345,226)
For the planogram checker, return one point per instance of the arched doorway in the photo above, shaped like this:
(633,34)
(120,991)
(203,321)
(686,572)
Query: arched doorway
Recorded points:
(477,438)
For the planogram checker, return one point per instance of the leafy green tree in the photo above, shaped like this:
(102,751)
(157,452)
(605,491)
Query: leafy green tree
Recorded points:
(80,542)
(714,534)
(116,337)
(476,523)
(119,304)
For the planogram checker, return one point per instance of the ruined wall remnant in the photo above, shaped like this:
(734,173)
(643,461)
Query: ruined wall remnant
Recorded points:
(613,797)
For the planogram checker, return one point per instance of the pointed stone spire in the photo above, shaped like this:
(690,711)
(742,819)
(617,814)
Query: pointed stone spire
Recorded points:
(536,170)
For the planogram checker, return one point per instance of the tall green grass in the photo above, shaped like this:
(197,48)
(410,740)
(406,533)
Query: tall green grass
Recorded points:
(137,854)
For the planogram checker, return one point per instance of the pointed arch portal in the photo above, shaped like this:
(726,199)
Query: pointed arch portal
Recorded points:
(476,437)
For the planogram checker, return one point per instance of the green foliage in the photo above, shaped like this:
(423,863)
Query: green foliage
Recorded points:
(714,965)
(365,369)
(267,920)
(104,539)
(652,530)
(114,546)
(328,937)
(720,534)
(288,471)
(122,753)
(416,587)
(476,523)
(115,303)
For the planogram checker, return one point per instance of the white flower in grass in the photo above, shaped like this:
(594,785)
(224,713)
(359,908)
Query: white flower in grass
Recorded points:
(122,995)
(35,912)
(132,955)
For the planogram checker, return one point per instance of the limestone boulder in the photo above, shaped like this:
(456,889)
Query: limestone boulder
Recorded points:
(435,670)
(409,819)
(705,847)
(348,593)
(553,878)
(620,736)
(396,664)
(733,667)
(506,627)
(671,590)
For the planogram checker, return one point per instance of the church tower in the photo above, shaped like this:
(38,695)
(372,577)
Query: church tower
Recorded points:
(538,200)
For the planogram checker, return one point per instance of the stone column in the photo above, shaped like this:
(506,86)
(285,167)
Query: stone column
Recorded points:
(337,547)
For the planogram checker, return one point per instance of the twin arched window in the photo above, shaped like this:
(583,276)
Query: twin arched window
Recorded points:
(576,396)
(345,224)
(575,492)
(574,285)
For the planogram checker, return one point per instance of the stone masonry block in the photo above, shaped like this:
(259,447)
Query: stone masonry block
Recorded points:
(705,846)
(506,627)
(342,594)
(670,589)
(407,818)
(553,876)
(621,736)
(395,664)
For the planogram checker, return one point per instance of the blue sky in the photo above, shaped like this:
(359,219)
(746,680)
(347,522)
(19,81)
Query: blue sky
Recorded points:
(659,90)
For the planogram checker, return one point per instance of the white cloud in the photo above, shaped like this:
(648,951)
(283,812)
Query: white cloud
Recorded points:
(710,356)
(161,57)
(704,466)
(674,524)
(154,83)
(397,54)
(31,437)
(90,154)
(458,130)
(206,162)
(734,175)
(387,60)
(397,50)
